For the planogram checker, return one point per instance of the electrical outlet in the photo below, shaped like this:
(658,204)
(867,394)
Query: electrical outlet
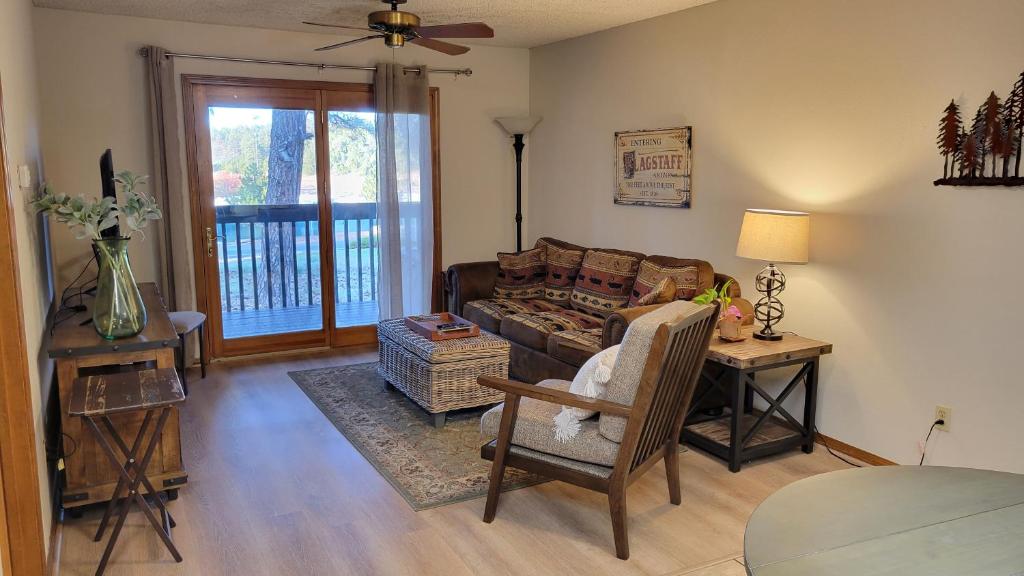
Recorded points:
(944,413)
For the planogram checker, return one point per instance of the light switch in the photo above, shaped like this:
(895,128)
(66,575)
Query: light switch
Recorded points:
(24,176)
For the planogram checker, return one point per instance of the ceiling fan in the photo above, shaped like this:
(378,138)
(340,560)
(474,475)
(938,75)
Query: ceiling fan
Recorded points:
(397,27)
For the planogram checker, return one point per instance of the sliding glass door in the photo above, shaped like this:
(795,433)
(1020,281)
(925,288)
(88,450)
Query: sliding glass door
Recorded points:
(284,191)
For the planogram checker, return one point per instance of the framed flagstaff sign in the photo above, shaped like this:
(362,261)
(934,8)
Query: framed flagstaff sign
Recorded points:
(652,167)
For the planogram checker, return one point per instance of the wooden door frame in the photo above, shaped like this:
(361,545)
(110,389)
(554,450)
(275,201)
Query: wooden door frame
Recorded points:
(335,337)
(21,532)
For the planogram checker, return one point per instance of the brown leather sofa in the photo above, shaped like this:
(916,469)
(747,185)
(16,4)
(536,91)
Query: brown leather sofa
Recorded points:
(539,352)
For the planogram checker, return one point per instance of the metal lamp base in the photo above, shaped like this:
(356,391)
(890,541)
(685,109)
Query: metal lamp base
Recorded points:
(769,309)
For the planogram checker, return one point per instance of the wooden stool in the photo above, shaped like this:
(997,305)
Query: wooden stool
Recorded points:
(96,398)
(185,322)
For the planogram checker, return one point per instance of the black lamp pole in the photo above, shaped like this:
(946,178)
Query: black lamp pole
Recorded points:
(518,145)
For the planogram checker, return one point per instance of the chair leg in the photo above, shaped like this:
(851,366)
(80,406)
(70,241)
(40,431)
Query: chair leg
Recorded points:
(508,420)
(617,506)
(184,362)
(202,352)
(672,471)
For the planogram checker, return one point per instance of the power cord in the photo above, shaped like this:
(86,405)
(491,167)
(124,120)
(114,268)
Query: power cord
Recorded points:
(924,449)
(824,443)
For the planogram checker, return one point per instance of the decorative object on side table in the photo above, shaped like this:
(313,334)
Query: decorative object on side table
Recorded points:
(117,311)
(773,236)
(518,127)
(653,167)
(991,142)
(731,319)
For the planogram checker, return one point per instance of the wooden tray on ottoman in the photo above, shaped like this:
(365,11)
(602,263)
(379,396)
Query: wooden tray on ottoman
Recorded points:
(426,326)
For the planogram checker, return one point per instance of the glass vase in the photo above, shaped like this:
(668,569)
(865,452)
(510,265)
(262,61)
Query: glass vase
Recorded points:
(118,311)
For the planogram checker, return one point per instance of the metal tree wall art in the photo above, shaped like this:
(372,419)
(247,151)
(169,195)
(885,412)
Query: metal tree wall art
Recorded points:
(987,152)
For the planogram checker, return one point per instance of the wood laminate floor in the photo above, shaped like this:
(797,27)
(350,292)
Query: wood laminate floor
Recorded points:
(275,489)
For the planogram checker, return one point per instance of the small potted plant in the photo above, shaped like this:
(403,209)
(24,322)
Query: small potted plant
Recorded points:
(730,319)
(118,311)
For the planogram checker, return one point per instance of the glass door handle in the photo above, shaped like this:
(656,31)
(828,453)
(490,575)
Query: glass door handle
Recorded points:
(211,238)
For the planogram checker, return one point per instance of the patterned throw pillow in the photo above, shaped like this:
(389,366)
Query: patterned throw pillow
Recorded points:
(686,274)
(563,265)
(663,293)
(521,275)
(605,281)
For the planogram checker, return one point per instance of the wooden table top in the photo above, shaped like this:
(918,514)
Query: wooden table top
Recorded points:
(125,392)
(71,338)
(751,353)
(891,520)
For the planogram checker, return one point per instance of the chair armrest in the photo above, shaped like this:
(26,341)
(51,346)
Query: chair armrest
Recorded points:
(617,322)
(554,396)
(467,282)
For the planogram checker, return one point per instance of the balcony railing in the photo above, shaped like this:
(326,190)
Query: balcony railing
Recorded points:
(270,260)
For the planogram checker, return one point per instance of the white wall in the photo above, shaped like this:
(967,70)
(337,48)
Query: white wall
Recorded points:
(94,93)
(21,123)
(830,106)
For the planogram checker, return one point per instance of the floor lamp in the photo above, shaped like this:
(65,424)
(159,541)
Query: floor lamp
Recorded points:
(518,127)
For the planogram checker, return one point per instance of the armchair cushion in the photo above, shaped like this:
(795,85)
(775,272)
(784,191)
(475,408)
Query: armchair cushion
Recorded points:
(532,329)
(605,281)
(563,265)
(487,314)
(629,366)
(575,347)
(521,275)
(534,429)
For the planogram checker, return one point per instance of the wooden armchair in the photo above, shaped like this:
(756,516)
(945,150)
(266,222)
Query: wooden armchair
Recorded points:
(644,417)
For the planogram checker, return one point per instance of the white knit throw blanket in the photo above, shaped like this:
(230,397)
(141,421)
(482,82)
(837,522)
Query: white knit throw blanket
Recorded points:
(590,381)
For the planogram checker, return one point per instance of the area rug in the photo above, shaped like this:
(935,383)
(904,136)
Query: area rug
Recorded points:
(429,467)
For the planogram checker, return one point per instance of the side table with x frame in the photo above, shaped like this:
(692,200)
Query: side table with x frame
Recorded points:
(95,399)
(741,433)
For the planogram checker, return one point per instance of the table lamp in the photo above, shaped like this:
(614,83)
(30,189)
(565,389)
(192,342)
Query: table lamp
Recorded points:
(773,236)
(517,127)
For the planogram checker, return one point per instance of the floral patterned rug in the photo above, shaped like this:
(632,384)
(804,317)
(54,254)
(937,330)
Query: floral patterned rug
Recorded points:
(429,467)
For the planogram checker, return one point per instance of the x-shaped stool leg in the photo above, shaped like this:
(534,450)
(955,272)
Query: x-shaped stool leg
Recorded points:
(132,474)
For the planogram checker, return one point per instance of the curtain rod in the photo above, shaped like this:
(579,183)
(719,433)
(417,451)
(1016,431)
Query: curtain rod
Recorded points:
(455,71)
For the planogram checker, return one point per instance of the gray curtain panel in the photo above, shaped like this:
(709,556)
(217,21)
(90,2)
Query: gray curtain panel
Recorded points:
(404,191)
(167,183)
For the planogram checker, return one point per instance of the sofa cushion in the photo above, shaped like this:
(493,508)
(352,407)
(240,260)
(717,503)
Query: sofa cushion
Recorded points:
(487,314)
(605,280)
(662,293)
(563,265)
(692,277)
(575,346)
(521,275)
(535,429)
(533,328)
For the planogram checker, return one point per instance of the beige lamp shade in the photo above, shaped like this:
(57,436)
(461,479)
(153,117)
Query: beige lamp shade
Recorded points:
(774,236)
(518,124)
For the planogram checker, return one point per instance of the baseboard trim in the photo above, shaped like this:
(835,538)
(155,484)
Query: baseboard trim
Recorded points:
(852,451)
(56,543)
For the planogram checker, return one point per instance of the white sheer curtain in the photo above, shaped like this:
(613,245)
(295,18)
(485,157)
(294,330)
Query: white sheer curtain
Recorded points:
(404,197)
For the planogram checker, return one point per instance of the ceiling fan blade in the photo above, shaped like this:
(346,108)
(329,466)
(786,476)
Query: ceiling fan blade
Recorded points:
(463,30)
(361,28)
(447,48)
(348,42)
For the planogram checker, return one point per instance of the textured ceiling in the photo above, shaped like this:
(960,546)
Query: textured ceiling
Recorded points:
(522,23)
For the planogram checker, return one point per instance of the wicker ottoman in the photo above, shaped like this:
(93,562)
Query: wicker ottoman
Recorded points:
(441,376)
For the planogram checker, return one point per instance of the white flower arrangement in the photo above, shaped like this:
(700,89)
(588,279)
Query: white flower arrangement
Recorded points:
(88,218)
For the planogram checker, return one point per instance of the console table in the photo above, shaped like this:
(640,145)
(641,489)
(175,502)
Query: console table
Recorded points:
(78,351)
(741,433)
